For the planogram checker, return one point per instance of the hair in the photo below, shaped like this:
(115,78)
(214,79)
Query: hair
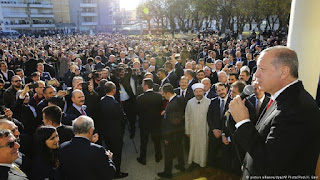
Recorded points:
(82,125)
(42,134)
(219,84)
(47,87)
(4,133)
(168,65)
(148,73)
(163,71)
(109,86)
(239,84)
(58,101)
(76,78)
(98,58)
(41,82)
(19,70)
(168,88)
(74,91)
(234,74)
(148,82)
(184,78)
(246,72)
(34,74)
(284,56)
(89,60)
(189,72)
(53,113)
(2,62)
(205,79)
(199,71)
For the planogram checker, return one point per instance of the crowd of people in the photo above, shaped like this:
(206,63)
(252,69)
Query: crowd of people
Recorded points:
(69,97)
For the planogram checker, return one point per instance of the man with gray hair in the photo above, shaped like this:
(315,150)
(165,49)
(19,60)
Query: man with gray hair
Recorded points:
(279,144)
(81,159)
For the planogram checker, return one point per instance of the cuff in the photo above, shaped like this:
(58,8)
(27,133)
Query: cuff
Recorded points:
(242,122)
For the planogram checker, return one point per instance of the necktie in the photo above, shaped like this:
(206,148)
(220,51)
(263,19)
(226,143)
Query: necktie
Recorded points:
(269,104)
(82,112)
(221,107)
(258,106)
(182,93)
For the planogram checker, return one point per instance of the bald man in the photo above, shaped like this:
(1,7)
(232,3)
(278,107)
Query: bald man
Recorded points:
(77,108)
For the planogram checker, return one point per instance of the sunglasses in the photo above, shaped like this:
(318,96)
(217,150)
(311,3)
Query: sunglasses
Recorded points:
(17,81)
(10,144)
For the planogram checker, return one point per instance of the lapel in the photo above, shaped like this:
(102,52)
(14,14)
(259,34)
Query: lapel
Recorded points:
(15,172)
(267,115)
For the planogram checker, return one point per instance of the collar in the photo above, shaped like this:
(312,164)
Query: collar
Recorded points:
(149,90)
(4,72)
(78,107)
(225,98)
(163,79)
(275,95)
(7,165)
(110,96)
(82,137)
(172,97)
(207,92)
(261,100)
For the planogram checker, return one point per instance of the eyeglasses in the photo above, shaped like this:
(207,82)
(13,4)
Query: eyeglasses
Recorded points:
(17,81)
(10,144)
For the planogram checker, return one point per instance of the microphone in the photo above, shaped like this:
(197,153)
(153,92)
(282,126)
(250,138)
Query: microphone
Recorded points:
(247,91)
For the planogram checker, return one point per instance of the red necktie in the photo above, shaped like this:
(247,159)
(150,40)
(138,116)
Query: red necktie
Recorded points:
(269,104)
(82,112)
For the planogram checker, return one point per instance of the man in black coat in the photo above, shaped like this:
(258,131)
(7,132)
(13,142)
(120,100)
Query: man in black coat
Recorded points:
(9,96)
(280,143)
(81,159)
(259,100)
(149,105)
(6,74)
(155,86)
(183,91)
(215,119)
(112,124)
(172,76)
(31,65)
(99,65)
(173,131)
(77,108)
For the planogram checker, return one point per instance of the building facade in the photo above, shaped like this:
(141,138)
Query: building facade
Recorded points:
(26,15)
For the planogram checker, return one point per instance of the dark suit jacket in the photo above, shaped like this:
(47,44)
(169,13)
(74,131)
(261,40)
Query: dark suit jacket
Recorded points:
(71,114)
(214,118)
(173,124)
(65,133)
(192,83)
(112,118)
(9,97)
(281,143)
(81,159)
(173,79)
(149,106)
(140,89)
(30,67)
(179,70)
(164,82)
(99,66)
(253,100)
(10,75)
(189,95)
(211,94)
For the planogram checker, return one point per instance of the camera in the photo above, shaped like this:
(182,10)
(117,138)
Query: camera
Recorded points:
(33,85)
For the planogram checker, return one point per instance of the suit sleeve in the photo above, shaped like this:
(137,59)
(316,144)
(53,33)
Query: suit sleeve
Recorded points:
(103,161)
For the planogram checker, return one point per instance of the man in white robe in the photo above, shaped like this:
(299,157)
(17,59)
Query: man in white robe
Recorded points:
(196,127)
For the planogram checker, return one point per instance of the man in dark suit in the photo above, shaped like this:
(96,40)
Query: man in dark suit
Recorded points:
(112,124)
(259,100)
(183,91)
(77,108)
(44,76)
(171,76)
(31,65)
(155,86)
(173,131)
(6,74)
(190,76)
(24,79)
(178,69)
(215,119)
(9,96)
(209,92)
(123,58)
(162,75)
(280,143)
(9,153)
(149,105)
(52,116)
(99,65)
(81,159)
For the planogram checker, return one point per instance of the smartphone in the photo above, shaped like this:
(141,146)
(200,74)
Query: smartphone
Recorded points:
(51,82)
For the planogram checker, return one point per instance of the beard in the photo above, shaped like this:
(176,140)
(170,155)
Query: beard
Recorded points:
(199,97)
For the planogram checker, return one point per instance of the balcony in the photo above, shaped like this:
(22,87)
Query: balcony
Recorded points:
(41,6)
(88,5)
(14,4)
(17,26)
(89,14)
(16,15)
(43,25)
(89,23)
(42,15)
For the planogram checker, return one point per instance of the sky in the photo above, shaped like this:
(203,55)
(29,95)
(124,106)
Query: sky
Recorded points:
(129,4)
